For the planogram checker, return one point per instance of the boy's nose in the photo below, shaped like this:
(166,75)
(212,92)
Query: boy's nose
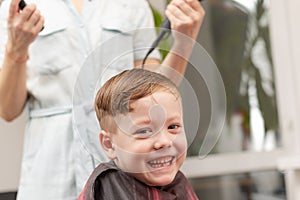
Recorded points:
(163,140)
(158,115)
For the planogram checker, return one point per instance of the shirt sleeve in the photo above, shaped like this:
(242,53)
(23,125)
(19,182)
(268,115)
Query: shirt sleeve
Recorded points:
(145,34)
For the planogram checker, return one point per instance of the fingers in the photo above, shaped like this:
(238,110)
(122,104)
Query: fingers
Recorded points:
(39,24)
(23,26)
(197,13)
(192,5)
(180,9)
(34,17)
(176,15)
(189,11)
(28,11)
(34,21)
(186,16)
(13,8)
(27,19)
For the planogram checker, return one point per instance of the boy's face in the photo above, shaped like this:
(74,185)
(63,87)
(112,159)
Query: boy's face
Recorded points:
(150,143)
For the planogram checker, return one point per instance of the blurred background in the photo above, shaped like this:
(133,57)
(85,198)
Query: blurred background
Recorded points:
(255,45)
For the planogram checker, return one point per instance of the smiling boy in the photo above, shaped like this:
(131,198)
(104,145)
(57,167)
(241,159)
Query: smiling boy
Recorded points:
(140,114)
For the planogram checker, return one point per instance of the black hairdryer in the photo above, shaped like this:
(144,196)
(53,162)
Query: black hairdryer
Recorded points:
(22,4)
(164,32)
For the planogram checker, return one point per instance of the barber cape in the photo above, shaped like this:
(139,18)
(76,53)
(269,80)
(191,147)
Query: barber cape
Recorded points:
(108,182)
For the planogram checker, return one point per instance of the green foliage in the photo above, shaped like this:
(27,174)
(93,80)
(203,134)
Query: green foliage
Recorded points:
(164,45)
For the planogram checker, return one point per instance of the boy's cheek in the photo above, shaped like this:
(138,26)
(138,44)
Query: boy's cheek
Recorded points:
(131,162)
(180,143)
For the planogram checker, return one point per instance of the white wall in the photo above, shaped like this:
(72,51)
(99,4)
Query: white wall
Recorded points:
(11,146)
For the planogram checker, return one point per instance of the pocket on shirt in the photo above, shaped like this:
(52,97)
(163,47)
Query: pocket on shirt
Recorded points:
(50,53)
(117,44)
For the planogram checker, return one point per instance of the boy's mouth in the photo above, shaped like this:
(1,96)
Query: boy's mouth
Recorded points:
(161,162)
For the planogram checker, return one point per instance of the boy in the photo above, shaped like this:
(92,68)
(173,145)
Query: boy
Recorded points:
(140,114)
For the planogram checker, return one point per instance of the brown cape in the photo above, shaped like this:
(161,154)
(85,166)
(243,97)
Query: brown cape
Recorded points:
(108,182)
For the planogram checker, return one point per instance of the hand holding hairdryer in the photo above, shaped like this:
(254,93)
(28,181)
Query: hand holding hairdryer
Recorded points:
(165,27)
(22,5)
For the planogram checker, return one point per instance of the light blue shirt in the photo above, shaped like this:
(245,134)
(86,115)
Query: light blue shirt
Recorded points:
(69,60)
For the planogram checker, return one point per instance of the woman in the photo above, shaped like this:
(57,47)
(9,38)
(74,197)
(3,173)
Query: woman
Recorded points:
(39,69)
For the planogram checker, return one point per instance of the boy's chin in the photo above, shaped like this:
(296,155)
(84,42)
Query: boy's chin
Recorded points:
(155,181)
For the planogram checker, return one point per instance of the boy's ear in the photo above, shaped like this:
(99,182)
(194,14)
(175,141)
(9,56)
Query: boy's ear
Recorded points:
(107,144)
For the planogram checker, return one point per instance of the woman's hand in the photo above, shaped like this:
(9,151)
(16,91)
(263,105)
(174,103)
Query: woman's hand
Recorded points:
(23,28)
(186,17)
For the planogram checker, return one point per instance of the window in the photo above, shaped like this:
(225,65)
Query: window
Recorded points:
(270,142)
(236,35)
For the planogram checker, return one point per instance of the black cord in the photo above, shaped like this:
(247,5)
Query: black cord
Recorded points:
(163,34)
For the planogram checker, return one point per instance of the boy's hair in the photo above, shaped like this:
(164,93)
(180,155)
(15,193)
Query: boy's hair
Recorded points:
(116,95)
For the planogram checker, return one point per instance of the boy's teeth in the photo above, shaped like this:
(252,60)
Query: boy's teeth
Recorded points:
(162,162)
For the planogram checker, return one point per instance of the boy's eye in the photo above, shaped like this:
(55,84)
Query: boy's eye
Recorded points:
(143,133)
(174,126)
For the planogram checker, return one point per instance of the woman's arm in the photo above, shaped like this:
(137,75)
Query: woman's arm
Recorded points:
(22,29)
(186,17)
